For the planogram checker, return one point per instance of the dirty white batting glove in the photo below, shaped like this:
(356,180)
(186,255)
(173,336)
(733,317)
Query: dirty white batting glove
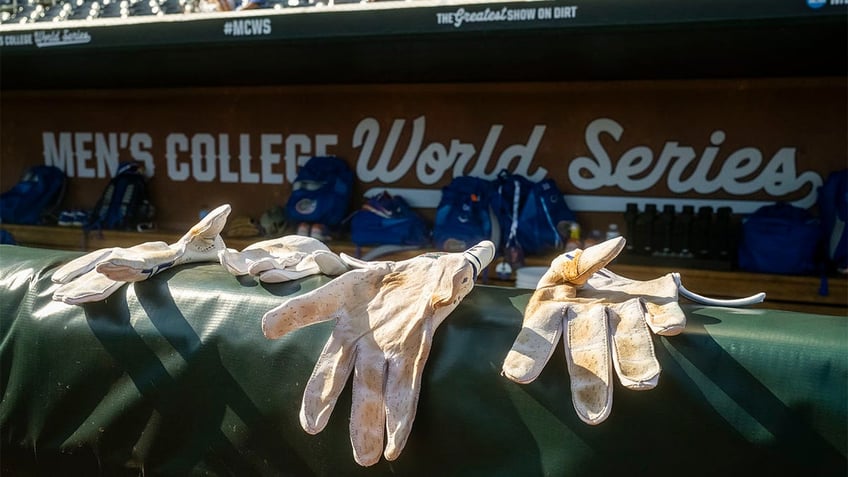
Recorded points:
(283,259)
(605,321)
(96,275)
(385,316)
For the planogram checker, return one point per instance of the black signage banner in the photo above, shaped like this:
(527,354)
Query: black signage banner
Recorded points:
(397,18)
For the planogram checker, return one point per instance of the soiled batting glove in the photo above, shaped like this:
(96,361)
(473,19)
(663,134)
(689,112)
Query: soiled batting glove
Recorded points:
(607,322)
(386,314)
(604,328)
(96,275)
(283,259)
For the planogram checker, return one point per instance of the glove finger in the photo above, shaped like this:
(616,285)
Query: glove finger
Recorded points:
(236,262)
(665,317)
(578,266)
(659,296)
(605,279)
(593,259)
(357,263)
(403,387)
(210,226)
(480,256)
(138,262)
(368,411)
(80,265)
(353,289)
(633,348)
(290,260)
(203,242)
(278,275)
(587,352)
(326,383)
(329,263)
(89,287)
(290,243)
(534,345)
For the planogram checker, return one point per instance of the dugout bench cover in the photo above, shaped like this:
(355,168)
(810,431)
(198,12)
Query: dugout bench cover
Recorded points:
(172,376)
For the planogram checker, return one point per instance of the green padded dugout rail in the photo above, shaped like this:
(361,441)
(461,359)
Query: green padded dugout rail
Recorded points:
(172,376)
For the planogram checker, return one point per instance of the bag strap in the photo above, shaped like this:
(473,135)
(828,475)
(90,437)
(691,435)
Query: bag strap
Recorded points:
(513,227)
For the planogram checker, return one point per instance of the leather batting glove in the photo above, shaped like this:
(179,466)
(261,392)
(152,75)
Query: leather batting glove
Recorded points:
(385,316)
(96,275)
(283,259)
(606,323)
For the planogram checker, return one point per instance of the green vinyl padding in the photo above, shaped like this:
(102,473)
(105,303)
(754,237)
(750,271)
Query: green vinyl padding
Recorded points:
(172,376)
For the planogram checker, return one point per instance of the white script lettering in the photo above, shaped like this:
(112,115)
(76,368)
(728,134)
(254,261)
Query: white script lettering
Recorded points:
(436,159)
(636,170)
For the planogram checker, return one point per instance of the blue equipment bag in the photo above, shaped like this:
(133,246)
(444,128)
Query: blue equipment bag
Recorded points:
(125,202)
(833,210)
(388,220)
(538,221)
(463,216)
(321,192)
(779,238)
(35,197)
(6,238)
(509,197)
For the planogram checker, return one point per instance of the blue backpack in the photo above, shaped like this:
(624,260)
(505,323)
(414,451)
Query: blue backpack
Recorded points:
(6,238)
(321,192)
(463,216)
(538,222)
(35,197)
(388,220)
(780,238)
(125,202)
(508,199)
(833,211)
